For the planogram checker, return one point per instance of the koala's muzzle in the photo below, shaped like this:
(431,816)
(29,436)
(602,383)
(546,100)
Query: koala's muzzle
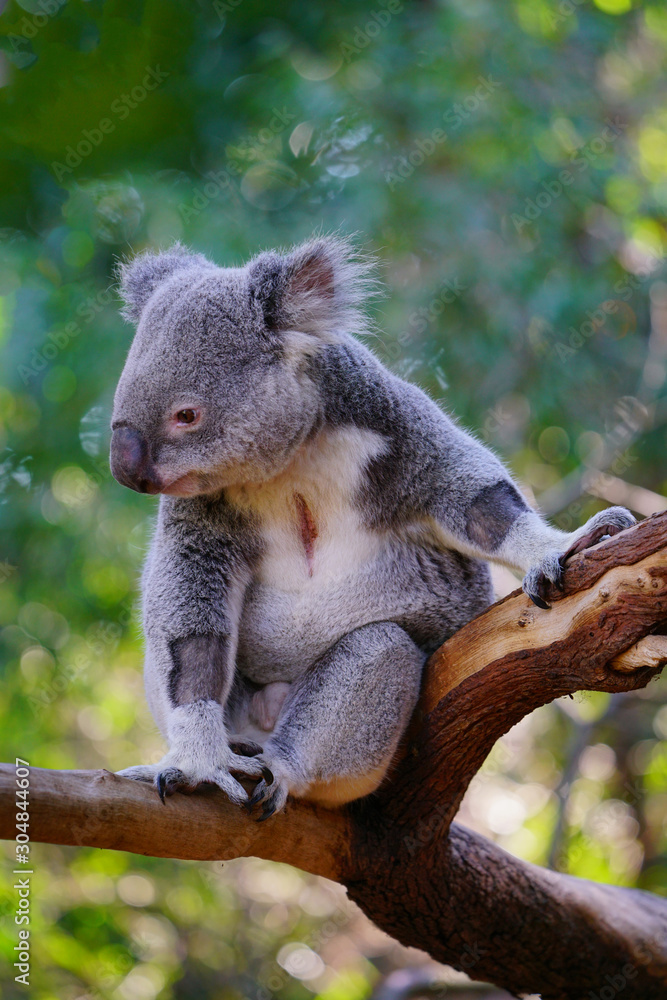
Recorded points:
(130,461)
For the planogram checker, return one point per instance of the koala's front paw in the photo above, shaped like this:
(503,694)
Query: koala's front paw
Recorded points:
(180,772)
(141,772)
(604,524)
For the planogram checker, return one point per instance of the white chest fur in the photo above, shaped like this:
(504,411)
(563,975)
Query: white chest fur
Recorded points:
(311,531)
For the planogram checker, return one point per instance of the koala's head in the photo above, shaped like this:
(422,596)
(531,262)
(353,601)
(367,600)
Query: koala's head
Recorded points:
(216,390)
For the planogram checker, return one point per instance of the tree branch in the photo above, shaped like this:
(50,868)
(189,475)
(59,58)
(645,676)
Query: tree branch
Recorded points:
(428,883)
(515,657)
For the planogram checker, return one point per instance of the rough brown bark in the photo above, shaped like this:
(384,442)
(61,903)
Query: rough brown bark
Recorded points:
(429,883)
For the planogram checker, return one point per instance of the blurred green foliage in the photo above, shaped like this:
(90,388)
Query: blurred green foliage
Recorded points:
(508,164)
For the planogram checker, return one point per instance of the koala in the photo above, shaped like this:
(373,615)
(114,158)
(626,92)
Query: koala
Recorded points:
(323,525)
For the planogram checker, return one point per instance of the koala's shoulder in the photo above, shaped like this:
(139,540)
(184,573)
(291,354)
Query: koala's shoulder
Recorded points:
(207,520)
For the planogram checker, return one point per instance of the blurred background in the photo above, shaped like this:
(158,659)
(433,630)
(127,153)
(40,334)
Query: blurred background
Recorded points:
(508,165)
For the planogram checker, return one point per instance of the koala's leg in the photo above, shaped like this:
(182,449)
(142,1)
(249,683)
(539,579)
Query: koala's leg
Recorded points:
(476,507)
(193,590)
(341,721)
(188,680)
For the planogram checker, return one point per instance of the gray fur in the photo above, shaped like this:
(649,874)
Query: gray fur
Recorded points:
(323,525)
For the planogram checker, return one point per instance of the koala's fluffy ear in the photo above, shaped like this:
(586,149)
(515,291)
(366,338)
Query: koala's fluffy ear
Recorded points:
(319,288)
(138,278)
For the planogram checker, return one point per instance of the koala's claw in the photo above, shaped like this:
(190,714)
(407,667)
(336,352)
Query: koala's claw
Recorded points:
(536,581)
(271,794)
(267,812)
(171,780)
(161,784)
(259,794)
(273,804)
(539,602)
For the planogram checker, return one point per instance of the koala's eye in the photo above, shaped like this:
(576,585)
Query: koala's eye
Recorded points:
(187,416)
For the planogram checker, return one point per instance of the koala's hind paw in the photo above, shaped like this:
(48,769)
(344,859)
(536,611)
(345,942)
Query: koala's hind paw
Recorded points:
(272,794)
(273,788)
(536,581)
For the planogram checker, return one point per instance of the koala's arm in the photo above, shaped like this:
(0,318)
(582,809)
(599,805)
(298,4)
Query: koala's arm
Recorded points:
(193,589)
(478,510)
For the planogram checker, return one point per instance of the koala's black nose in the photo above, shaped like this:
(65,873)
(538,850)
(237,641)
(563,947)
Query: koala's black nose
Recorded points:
(130,461)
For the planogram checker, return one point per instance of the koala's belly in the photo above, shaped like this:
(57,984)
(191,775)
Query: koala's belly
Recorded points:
(288,623)
(322,572)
